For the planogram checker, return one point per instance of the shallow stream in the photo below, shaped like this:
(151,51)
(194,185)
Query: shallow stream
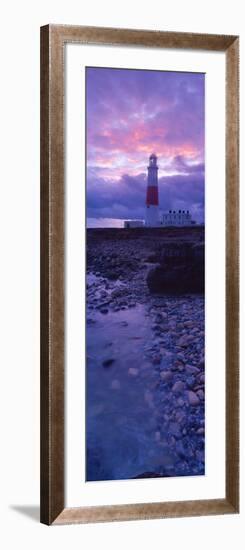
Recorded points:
(121,408)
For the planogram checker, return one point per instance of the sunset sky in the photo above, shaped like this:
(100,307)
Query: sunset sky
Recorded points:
(130,114)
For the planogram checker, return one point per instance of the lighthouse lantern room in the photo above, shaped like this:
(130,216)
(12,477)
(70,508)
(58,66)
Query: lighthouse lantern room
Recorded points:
(152,201)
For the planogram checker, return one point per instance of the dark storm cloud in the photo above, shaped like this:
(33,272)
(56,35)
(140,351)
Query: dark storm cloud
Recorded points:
(126,198)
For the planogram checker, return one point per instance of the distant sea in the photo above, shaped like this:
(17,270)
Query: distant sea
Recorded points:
(110,222)
(104,222)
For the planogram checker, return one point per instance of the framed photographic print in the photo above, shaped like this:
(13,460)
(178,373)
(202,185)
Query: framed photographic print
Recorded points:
(139,274)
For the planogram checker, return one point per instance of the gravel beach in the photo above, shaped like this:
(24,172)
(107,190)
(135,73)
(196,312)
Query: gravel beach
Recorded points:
(145,358)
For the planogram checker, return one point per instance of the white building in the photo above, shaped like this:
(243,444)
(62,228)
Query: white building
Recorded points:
(177,218)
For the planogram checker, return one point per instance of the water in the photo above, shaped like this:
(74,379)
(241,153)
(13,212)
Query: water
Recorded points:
(138,422)
(121,404)
(104,222)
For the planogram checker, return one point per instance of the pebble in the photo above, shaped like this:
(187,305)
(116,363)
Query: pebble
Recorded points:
(156,328)
(178,363)
(178,387)
(167,354)
(201,394)
(200,431)
(193,398)
(161,316)
(180,416)
(188,324)
(172,441)
(186,340)
(180,402)
(174,428)
(156,359)
(190,369)
(166,376)
(190,381)
(181,368)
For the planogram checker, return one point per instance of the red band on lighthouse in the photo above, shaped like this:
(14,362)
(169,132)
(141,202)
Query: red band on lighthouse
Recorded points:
(152,208)
(152,195)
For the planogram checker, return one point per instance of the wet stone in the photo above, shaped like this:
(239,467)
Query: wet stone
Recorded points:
(180,402)
(166,376)
(174,428)
(190,369)
(193,398)
(178,387)
(190,381)
(156,359)
(200,431)
(201,394)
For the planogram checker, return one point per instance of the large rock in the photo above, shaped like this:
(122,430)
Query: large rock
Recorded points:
(181,270)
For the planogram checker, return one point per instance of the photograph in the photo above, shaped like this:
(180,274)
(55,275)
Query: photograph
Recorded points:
(139,151)
(145,273)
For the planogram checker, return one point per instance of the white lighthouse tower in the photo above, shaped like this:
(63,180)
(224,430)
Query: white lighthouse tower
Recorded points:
(152,202)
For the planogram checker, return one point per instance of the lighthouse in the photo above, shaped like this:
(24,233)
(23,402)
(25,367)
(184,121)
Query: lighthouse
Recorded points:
(152,203)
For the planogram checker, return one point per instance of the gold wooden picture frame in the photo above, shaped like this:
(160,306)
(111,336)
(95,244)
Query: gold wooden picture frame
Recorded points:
(53,41)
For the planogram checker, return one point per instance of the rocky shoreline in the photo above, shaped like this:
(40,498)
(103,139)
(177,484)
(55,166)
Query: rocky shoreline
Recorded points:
(171,364)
